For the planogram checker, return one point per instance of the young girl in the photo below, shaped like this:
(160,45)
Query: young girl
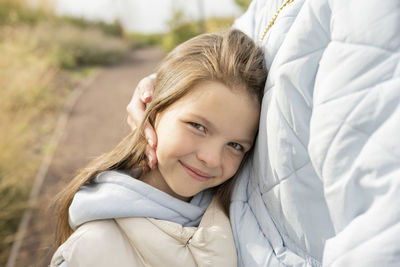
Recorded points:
(205,111)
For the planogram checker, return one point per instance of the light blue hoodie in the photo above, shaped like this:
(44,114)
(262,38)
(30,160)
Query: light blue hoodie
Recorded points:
(114,194)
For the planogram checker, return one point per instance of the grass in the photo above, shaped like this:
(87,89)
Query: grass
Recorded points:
(42,59)
(32,95)
(139,40)
(72,47)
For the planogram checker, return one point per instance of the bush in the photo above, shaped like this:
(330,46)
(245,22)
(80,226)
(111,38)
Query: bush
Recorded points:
(180,30)
(74,47)
(218,24)
(31,98)
(138,40)
(16,12)
(113,29)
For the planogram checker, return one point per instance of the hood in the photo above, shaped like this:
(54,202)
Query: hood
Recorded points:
(114,194)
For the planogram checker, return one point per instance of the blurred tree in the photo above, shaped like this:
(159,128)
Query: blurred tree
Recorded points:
(243,4)
(181,29)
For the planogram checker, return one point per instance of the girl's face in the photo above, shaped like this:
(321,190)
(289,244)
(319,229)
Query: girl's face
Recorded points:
(202,139)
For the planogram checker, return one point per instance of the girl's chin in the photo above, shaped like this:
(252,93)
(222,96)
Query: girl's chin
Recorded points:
(182,197)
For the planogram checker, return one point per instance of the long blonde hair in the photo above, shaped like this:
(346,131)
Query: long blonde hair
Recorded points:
(229,57)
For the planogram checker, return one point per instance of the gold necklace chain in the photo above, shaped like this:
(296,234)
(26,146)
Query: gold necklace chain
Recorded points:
(272,21)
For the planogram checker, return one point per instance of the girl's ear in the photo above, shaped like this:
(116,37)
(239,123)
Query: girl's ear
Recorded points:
(156,119)
(154,123)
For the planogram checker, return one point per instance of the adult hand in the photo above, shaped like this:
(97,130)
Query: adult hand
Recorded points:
(136,108)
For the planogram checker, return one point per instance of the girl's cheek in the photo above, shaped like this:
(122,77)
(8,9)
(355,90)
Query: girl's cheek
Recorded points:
(232,164)
(185,137)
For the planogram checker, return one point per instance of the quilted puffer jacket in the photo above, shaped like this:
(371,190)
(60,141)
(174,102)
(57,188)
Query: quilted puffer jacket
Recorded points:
(148,242)
(323,186)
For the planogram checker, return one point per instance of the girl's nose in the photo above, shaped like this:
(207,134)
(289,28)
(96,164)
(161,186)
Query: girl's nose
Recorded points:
(211,156)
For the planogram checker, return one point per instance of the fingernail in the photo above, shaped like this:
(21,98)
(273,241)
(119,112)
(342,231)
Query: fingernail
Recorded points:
(153,166)
(146,95)
(150,142)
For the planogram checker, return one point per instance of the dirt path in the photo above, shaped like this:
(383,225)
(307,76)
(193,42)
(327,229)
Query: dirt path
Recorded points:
(96,123)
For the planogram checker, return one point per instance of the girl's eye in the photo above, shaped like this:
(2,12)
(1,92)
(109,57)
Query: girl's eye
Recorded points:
(236,146)
(198,126)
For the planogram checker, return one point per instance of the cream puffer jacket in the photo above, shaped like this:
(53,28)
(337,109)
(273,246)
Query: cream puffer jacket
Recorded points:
(139,242)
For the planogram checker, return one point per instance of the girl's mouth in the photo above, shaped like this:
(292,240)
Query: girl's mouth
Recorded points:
(195,173)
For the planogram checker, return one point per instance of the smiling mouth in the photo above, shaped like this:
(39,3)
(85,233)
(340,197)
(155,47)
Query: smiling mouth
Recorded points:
(195,174)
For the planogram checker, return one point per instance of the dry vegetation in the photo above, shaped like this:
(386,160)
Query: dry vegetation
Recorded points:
(41,56)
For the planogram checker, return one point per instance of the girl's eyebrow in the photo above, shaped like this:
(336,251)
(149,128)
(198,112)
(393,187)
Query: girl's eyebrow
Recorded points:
(244,142)
(205,121)
(211,126)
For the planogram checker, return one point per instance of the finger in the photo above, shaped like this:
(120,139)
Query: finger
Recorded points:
(150,135)
(146,93)
(137,105)
(135,109)
(146,89)
(146,169)
(146,97)
(131,123)
(151,157)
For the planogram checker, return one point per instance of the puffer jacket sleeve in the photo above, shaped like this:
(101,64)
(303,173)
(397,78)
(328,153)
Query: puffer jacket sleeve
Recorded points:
(354,133)
(252,22)
(246,22)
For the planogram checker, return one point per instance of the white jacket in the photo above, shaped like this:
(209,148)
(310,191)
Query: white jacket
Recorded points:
(140,242)
(323,186)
